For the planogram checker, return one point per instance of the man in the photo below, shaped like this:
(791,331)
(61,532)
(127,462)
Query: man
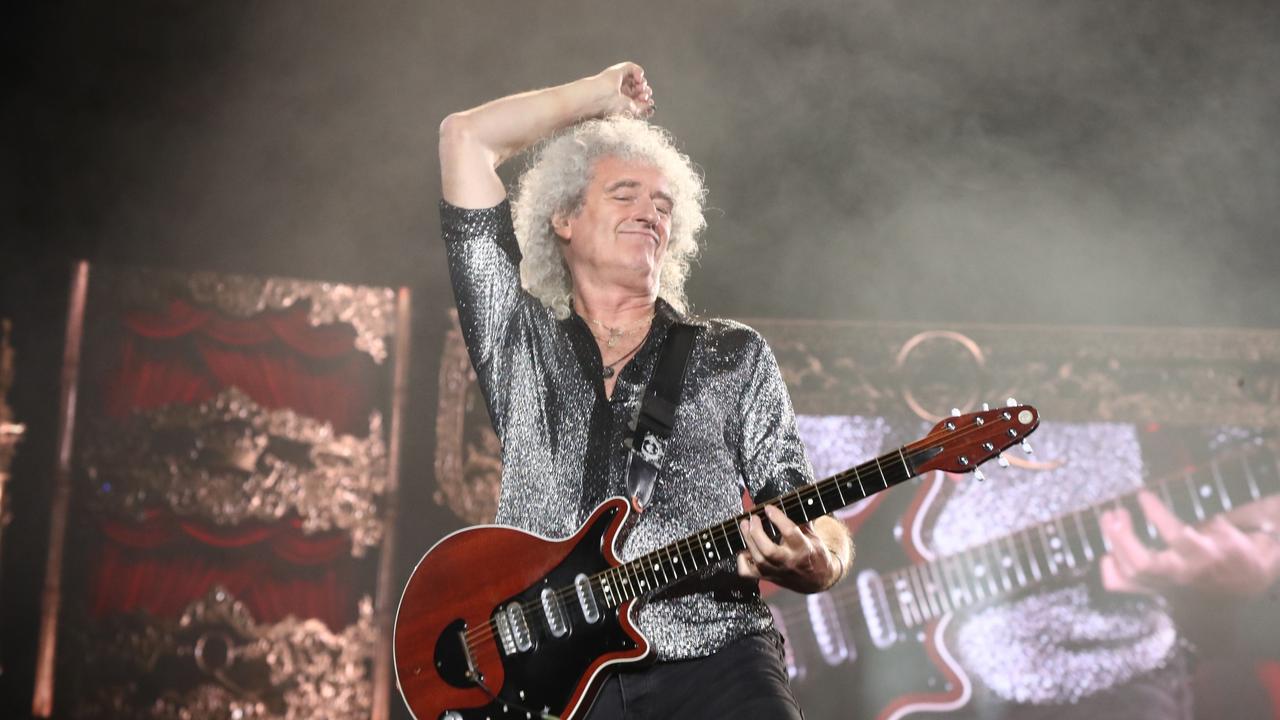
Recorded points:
(606,219)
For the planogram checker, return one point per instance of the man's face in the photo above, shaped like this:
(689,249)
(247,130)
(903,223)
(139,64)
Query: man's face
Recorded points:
(619,236)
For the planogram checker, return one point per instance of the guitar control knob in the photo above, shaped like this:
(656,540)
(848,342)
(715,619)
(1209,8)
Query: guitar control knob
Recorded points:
(451,715)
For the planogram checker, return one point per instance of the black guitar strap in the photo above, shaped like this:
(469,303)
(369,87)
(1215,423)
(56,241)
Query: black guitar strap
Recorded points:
(656,415)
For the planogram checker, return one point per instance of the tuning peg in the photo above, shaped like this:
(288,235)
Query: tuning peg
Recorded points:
(955,412)
(986,407)
(1011,402)
(977,474)
(1002,461)
(1026,447)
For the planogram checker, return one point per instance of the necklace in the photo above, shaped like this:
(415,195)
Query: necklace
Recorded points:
(608,370)
(617,333)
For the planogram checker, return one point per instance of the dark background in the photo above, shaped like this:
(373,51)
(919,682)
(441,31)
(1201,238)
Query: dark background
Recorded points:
(1030,161)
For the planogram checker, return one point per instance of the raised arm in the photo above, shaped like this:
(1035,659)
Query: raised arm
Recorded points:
(473,143)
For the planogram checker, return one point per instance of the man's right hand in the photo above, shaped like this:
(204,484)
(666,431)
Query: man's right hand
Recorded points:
(473,143)
(629,92)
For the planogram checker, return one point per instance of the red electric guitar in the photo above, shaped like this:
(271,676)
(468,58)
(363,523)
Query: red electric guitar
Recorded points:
(497,623)
(886,639)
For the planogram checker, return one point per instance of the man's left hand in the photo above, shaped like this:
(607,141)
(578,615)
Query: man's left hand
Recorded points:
(1217,557)
(799,561)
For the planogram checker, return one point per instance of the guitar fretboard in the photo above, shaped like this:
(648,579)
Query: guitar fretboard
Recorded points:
(1067,544)
(669,564)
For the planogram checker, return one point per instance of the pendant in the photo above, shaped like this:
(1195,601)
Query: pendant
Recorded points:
(607,372)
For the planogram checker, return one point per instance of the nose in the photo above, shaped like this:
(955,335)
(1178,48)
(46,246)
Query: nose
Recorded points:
(647,212)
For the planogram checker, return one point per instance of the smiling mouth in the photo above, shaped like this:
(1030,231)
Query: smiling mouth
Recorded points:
(649,235)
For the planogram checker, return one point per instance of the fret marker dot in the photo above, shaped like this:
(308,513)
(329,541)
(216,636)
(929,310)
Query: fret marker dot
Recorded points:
(1205,491)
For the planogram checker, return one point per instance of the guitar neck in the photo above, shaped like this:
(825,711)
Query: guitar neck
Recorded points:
(669,564)
(1072,542)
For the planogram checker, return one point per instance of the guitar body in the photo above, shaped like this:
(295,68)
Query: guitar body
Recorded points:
(913,674)
(476,573)
(861,650)
(500,623)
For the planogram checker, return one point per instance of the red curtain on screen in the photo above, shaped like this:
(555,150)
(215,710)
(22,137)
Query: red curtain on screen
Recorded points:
(188,354)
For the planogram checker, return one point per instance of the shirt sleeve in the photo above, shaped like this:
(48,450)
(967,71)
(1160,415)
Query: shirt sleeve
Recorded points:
(772,457)
(484,268)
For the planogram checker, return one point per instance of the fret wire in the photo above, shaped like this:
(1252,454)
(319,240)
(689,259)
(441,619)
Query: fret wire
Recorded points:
(1195,497)
(1065,538)
(936,593)
(821,504)
(1087,546)
(1031,556)
(1223,497)
(923,582)
(977,577)
(1008,572)
(998,577)
(836,482)
(906,602)
(1097,519)
(1006,581)
(983,552)
(966,572)
(940,583)
(883,479)
(1168,499)
(947,568)
(1254,492)
(991,577)
(1012,548)
(914,604)
(947,584)
(954,585)
(1048,551)
(907,469)
(927,602)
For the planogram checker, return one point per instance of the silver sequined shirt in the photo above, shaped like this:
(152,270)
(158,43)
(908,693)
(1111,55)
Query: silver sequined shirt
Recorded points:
(562,450)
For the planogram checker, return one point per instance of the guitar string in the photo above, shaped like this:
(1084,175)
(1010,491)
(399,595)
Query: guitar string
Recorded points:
(848,596)
(992,545)
(484,633)
(489,630)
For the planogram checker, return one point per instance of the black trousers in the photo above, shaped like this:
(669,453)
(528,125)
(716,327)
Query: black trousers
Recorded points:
(746,679)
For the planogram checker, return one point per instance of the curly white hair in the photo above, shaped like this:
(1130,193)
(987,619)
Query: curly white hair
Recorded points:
(556,181)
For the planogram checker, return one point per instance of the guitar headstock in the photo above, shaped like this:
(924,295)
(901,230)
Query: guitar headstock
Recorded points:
(960,443)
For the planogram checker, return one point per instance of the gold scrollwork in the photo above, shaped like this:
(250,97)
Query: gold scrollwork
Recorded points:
(216,662)
(229,460)
(368,310)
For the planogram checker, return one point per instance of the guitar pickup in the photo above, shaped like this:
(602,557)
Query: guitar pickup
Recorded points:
(553,611)
(586,599)
(513,629)
(504,633)
(875,609)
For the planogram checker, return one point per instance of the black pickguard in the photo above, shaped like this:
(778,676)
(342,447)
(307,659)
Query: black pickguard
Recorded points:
(542,680)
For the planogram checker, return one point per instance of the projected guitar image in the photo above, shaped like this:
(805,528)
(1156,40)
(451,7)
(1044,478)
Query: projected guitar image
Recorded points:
(500,623)
(896,621)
